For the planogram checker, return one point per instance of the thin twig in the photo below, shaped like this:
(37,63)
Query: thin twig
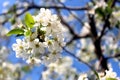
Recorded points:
(114,56)
(70,53)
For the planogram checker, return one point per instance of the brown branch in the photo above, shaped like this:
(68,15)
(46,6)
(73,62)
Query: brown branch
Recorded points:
(53,7)
(114,56)
(65,23)
(96,41)
(75,35)
(33,6)
(60,7)
(106,21)
(76,17)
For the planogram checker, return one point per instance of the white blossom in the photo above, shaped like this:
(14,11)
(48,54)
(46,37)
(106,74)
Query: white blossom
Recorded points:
(83,77)
(85,29)
(9,71)
(45,43)
(3,31)
(61,69)
(98,4)
(3,53)
(6,3)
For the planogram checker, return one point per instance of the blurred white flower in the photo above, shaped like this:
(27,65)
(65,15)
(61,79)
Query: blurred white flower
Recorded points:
(61,69)
(86,51)
(4,52)
(9,71)
(109,74)
(85,29)
(6,3)
(62,0)
(116,15)
(25,4)
(3,31)
(83,77)
(98,4)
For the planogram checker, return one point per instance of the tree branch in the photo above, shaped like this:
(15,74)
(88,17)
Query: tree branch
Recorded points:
(53,7)
(114,56)
(106,21)
(96,41)
(76,17)
(75,36)
(33,6)
(78,59)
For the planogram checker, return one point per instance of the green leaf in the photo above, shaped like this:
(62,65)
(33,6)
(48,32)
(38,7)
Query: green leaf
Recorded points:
(110,2)
(29,21)
(111,79)
(12,20)
(27,33)
(96,75)
(26,68)
(103,12)
(15,31)
(100,12)
(18,35)
(108,10)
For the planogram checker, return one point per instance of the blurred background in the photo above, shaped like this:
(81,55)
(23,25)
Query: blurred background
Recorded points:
(92,36)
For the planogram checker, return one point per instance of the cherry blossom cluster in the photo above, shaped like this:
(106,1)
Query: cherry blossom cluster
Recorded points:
(107,75)
(3,31)
(87,51)
(3,53)
(9,71)
(45,42)
(60,70)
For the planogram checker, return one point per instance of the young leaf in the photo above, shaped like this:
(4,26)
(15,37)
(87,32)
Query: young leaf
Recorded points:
(27,33)
(26,68)
(108,10)
(15,31)
(96,75)
(12,20)
(29,21)
(100,12)
(110,2)
(111,79)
